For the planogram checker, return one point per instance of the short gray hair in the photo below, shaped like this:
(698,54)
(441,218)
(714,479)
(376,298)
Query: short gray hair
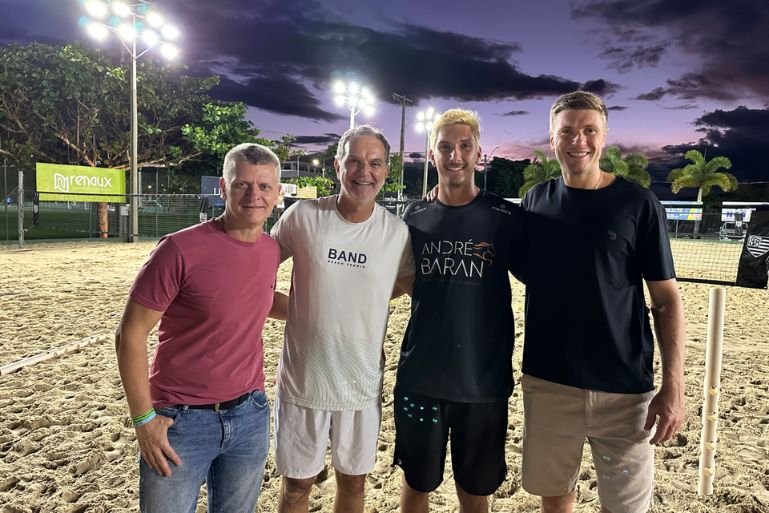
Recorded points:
(253,154)
(358,131)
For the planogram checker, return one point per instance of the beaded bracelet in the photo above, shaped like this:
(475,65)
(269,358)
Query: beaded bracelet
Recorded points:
(144,418)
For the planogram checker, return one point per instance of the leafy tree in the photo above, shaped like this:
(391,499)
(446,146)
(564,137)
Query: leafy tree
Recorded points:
(329,154)
(70,104)
(392,182)
(703,175)
(541,169)
(631,167)
(505,176)
(284,147)
(221,126)
(637,164)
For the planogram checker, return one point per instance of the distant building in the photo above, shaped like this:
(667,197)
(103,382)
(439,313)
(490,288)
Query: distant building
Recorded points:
(295,169)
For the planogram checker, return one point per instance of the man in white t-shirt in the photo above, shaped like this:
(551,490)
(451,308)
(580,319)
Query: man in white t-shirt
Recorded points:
(347,254)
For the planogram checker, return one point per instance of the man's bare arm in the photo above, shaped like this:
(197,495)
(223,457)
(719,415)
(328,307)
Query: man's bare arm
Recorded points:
(403,285)
(667,408)
(131,347)
(279,308)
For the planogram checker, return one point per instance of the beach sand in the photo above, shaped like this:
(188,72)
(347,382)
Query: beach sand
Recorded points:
(66,444)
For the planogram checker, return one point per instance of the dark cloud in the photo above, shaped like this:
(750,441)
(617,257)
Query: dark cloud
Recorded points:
(22,22)
(279,56)
(327,139)
(740,134)
(277,94)
(298,41)
(616,107)
(726,40)
(14,34)
(624,59)
(515,113)
(653,95)
(685,106)
(600,87)
(691,86)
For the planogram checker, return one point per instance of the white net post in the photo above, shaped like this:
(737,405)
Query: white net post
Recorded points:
(712,388)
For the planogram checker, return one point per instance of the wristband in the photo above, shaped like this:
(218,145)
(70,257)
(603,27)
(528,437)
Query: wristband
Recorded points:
(144,418)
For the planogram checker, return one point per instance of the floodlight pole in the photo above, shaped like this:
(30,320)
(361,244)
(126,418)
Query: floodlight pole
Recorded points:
(134,148)
(403,100)
(138,10)
(425,121)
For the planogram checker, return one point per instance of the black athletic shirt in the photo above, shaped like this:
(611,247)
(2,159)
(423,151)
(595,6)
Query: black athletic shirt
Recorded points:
(587,324)
(458,345)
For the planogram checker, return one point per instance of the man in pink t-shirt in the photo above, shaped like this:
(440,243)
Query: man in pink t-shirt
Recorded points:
(200,411)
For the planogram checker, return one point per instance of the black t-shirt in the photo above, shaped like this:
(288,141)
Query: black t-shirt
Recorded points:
(459,341)
(587,324)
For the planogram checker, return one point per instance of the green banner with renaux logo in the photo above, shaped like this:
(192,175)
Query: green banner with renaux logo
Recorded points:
(62,182)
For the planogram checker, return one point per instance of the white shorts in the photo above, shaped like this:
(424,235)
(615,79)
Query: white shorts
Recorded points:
(302,436)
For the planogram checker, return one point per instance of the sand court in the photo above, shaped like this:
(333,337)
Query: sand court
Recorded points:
(66,444)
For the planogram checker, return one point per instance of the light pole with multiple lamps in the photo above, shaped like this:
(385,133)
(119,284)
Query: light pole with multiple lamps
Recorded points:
(131,21)
(357,98)
(425,120)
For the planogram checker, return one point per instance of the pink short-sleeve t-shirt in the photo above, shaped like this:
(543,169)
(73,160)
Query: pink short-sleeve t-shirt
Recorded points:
(215,293)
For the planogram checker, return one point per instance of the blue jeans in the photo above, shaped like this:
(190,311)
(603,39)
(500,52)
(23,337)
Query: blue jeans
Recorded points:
(226,449)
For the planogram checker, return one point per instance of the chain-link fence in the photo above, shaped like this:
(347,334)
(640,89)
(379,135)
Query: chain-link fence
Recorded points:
(707,242)
(159,214)
(706,246)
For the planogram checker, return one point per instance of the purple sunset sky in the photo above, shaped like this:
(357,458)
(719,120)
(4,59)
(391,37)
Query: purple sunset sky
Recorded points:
(671,72)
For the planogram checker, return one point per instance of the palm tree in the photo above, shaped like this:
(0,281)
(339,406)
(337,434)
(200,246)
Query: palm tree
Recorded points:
(631,167)
(541,169)
(703,174)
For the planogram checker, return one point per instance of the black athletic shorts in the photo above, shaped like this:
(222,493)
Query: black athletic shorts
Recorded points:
(477,431)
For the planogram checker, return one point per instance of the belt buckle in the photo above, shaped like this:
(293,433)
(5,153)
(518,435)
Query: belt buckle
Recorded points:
(216,406)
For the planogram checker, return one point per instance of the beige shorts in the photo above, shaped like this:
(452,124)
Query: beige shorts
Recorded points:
(557,421)
(302,436)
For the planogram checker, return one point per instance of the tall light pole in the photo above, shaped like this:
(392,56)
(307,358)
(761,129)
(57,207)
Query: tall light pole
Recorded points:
(425,120)
(131,21)
(486,166)
(400,98)
(357,98)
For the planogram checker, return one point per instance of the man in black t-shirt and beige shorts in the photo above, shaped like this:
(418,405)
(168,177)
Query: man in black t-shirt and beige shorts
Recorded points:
(593,239)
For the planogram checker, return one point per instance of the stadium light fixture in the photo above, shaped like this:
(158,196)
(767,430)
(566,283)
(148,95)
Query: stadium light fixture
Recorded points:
(356,97)
(131,22)
(96,8)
